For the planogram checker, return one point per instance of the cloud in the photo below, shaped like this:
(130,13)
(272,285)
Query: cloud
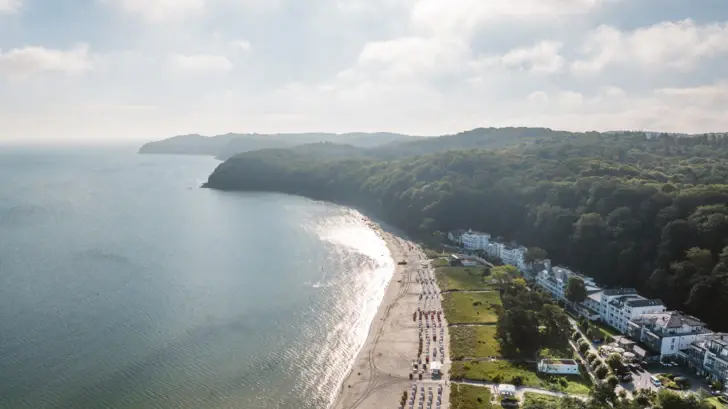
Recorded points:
(201,63)
(29,61)
(542,57)
(464,16)
(160,10)
(409,58)
(10,6)
(675,44)
(241,45)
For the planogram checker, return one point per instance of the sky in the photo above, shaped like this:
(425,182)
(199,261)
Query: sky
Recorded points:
(111,70)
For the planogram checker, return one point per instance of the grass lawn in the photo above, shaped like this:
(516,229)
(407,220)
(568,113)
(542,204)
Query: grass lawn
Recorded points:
(461,278)
(469,397)
(472,307)
(440,262)
(474,342)
(537,398)
(716,403)
(504,372)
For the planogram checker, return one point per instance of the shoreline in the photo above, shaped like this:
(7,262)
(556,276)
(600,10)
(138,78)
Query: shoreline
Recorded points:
(380,370)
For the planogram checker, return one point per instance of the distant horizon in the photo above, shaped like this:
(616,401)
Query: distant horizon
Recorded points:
(136,142)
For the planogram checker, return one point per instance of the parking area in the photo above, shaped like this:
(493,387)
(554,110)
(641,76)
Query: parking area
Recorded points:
(641,378)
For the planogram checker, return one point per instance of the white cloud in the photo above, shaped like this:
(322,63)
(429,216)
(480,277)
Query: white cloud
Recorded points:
(463,16)
(29,61)
(241,45)
(10,6)
(409,58)
(675,44)
(201,63)
(160,10)
(543,57)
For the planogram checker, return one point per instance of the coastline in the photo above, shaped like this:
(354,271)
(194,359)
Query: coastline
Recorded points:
(380,371)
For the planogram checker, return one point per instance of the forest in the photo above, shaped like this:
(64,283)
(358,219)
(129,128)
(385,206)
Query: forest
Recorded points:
(624,208)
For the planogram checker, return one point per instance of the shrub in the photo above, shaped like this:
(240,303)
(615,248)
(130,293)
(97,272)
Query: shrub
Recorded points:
(517,381)
(601,371)
(613,381)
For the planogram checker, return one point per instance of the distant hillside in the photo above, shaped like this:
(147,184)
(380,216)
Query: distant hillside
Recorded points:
(225,146)
(627,209)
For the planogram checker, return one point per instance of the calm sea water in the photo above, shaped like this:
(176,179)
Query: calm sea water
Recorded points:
(124,285)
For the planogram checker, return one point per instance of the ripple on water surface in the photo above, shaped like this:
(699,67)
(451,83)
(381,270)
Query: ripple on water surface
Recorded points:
(194,299)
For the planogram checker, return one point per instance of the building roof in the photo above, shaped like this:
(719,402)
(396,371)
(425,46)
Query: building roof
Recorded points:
(479,233)
(619,291)
(673,319)
(506,388)
(644,303)
(558,362)
(596,296)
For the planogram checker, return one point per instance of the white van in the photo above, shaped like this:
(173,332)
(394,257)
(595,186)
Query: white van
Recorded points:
(655,381)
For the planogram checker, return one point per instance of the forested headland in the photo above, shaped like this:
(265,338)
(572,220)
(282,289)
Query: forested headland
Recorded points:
(624,208)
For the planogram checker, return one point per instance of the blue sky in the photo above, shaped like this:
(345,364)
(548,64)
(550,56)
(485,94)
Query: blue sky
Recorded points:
(145,69)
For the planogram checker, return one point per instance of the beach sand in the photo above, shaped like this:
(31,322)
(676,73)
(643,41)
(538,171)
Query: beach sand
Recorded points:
(380,373)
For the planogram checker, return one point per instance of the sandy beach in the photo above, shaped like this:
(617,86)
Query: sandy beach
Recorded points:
(380,374)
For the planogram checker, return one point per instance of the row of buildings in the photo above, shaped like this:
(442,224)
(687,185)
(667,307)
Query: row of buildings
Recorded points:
(475,241)
(666,334)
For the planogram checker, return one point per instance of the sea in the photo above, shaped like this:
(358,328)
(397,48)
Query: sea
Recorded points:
(123,284)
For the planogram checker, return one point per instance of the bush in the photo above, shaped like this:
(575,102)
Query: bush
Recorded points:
(497,378)
(517,381)
(601,371)
(575,336)
(613,381)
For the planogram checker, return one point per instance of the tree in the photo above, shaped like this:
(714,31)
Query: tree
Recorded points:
(612,381)
(583,347)
(615,362)
(503,275)
(601,371)
(534,254)
(602,394)
(670,400)
(575,289)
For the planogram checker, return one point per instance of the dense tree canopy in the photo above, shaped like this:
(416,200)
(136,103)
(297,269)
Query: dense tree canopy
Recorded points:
(575,289)
(626,209)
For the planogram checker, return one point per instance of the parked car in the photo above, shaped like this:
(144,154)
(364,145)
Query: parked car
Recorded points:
(655,381)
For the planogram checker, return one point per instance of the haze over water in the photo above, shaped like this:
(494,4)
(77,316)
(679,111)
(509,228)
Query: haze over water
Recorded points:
(124,285)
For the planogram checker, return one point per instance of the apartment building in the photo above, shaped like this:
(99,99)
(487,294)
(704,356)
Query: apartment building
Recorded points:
(708,356)
(475,240)
(456,236)
(620,305)
(495,249)
(514,255)
(668,332)
(556,280)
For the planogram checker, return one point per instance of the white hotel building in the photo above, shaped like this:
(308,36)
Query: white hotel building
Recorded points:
(475,240)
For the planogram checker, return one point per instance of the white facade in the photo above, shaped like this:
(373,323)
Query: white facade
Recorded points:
(559,366)
(515,256)
(475,240)
(709,356)
(669,332)
(494,250)
(620,306)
